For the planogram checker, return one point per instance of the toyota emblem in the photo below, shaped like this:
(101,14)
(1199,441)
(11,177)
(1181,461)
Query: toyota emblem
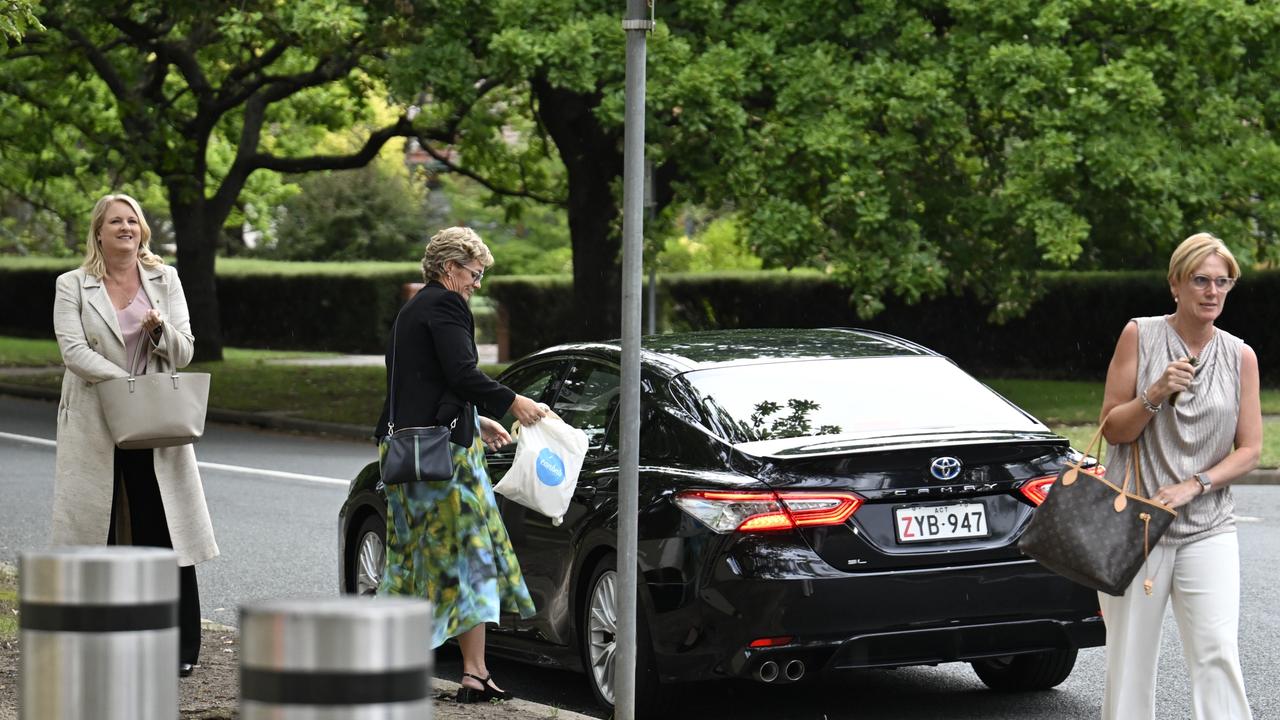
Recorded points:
(945,468)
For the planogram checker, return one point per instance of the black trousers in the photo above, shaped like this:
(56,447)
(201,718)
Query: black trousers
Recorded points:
(135,481)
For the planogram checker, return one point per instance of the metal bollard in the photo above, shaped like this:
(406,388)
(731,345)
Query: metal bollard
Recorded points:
(349,658)
(99,629)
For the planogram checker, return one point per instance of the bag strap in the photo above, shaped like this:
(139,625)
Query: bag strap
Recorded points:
(145,344)
(391,382)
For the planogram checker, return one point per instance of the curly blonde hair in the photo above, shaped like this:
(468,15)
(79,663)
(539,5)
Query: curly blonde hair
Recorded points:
(94,262)
(1193,251)
(459,244)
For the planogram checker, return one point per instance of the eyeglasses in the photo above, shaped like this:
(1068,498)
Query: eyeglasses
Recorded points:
(476,275)
(1201,282)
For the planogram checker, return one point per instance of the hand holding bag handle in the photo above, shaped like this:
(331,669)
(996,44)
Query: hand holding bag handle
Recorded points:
(413,454)
(154,410)
(1093,532)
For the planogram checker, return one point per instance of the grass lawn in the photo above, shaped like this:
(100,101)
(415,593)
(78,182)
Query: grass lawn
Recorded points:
(8,604)
(247,380)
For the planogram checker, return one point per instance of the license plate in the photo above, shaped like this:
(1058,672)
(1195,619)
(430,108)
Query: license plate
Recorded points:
(941,522)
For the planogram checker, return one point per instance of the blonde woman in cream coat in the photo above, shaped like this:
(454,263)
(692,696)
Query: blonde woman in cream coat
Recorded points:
(121,296)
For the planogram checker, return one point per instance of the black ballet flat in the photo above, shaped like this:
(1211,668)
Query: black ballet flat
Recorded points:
(185,669)
(488,692)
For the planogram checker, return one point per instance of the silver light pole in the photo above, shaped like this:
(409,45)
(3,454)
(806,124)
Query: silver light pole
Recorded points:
(636,23)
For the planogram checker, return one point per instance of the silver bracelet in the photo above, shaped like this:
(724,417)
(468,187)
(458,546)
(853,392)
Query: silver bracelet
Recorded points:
(1148,405)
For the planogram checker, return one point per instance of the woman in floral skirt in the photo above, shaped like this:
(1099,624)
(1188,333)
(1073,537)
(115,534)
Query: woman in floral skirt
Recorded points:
(446,541)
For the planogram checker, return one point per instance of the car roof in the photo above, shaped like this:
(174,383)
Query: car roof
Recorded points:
(682,352)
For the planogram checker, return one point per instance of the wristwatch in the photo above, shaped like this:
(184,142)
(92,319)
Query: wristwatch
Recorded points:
(1205,483)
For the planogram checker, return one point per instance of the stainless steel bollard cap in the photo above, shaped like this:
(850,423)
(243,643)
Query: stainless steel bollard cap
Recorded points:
(342,634)
(98,575)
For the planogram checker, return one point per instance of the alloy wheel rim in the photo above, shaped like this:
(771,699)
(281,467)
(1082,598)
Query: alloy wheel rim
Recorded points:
(369,562)
(602,628)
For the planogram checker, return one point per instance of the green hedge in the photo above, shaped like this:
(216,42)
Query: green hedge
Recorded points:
(1069,333)
(348,307)
(338,307)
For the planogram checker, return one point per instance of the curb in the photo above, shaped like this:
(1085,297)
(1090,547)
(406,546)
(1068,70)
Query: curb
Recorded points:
(516,707)
(1259,476)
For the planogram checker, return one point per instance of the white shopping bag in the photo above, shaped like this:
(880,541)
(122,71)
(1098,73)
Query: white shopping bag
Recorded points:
(544,473)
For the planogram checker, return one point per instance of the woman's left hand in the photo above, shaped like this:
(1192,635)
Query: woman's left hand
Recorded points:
(1175,496)
(493,434)
(153,323)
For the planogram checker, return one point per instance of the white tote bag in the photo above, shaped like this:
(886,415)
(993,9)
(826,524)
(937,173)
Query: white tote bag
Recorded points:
(544,473)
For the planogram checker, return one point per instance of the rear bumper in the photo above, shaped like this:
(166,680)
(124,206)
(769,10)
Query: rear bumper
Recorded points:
(972,642)
(875,620)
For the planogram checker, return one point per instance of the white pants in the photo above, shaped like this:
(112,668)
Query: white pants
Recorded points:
(1203,581)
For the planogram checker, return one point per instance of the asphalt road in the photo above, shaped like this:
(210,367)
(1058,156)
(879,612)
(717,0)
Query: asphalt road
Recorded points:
(274,500)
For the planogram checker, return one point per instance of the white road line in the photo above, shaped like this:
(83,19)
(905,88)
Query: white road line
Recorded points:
(274,473)
(28,439)
(208,465)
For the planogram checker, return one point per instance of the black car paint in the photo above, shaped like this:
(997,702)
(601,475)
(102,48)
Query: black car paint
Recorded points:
(851,596)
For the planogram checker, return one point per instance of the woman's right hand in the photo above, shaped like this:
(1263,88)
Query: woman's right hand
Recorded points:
(527,411)
(1176,377)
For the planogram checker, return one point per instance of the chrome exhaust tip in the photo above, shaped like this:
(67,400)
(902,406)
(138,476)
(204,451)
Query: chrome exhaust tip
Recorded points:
(794,670)
(767,672)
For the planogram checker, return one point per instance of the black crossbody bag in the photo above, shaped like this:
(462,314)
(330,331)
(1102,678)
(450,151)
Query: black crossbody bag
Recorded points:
(413,454)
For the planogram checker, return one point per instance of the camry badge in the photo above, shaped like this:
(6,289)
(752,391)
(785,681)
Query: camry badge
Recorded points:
(945,468)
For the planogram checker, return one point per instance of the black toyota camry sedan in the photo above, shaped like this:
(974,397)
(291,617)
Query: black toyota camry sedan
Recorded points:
(811,501)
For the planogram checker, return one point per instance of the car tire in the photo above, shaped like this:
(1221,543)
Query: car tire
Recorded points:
(1021,673)
(368,556)
(597,642)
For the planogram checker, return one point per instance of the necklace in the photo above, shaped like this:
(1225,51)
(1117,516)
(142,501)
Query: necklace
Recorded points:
(121,294)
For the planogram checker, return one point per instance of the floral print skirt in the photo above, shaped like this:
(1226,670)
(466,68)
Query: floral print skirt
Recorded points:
(446,543)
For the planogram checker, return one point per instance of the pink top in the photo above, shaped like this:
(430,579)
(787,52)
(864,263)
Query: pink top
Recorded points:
(130,319)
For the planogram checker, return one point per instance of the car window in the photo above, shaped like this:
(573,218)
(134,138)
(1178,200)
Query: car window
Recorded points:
(588,399)
(866,397)
(537,382)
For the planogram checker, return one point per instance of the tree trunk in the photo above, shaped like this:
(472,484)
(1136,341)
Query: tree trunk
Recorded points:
(592,157)
(196,235)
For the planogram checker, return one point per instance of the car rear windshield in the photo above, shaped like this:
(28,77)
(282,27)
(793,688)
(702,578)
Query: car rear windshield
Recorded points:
(852,397)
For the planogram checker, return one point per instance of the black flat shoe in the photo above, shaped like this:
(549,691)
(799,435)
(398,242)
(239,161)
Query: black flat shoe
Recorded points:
(185,669)
(489,692)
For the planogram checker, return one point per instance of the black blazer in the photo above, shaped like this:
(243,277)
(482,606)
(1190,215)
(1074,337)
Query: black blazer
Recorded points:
(436,379)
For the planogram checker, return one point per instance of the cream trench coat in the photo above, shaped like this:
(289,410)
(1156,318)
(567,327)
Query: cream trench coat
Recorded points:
(93,350)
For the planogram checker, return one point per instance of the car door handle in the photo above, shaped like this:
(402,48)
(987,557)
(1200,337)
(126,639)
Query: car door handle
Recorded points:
(585,493)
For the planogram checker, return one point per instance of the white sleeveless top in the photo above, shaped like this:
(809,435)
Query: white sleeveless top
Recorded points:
(1189,436)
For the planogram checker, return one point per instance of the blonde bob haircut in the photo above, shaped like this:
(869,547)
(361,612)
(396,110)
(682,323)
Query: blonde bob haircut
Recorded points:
(1193,251)
(94,262)
(459,244)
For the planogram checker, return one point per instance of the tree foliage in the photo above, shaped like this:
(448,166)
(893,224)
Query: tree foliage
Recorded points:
(919,146)
(16,17)
(200,97)
(909,147)
(369,213)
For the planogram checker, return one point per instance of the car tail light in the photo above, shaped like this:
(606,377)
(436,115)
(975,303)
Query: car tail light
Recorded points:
(763,511)
(1038,489)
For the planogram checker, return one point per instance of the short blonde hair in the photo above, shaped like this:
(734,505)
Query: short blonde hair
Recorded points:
(94,262)
(1193,251)
(459,244)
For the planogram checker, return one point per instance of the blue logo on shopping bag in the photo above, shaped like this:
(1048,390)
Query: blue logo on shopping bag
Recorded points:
(550,468)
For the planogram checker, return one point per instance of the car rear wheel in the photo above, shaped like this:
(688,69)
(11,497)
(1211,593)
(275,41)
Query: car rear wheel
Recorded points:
(1033,671)
(370,556)
(598,638)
